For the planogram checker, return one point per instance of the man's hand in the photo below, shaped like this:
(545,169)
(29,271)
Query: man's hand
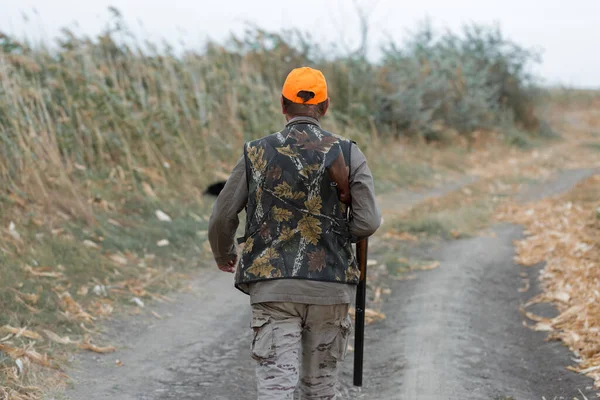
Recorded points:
(230,266)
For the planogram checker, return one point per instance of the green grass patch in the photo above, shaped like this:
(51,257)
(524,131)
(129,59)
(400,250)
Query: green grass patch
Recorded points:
(448,223)
(391,175)
(594,146)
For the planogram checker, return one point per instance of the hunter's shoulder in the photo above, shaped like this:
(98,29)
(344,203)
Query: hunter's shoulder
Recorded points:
(272,138)
(339,137)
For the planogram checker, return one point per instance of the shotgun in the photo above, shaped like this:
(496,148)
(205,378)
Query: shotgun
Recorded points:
(338,172)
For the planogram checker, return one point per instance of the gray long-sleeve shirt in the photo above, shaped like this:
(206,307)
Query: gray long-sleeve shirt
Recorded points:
(224,222)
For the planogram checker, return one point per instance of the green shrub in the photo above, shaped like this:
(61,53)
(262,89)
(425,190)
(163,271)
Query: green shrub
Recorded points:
(464,82)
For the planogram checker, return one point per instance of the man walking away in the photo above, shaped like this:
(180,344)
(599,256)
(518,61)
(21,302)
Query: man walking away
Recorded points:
(297,262)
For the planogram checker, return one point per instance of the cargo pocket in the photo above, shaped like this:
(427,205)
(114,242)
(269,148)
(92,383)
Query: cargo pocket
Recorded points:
(339,347)
(263,344)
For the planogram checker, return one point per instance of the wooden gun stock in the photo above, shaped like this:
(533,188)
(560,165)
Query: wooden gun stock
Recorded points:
(338,173)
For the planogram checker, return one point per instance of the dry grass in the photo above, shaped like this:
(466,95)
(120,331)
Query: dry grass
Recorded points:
(564,232)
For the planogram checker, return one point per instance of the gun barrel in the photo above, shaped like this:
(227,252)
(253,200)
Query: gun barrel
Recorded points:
(361,300)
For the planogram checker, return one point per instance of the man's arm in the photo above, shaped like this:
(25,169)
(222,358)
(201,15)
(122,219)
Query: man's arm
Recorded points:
(224,219)
(366,216)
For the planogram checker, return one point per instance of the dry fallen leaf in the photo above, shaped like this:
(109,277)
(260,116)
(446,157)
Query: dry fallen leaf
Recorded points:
(542,327)
(561,296)
(377,296)
(18,200)
(29,297)
(29,352)
(427,267)
(118,259)
(57,339)
(148,190)
(72,308)
(87,345)
(101,308)
(43,272)
(115,223)
(83,290)
(21,332)
(91,244)
(157,315)
(30,308)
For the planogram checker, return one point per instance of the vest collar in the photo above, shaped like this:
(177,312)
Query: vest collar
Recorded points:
(303,120)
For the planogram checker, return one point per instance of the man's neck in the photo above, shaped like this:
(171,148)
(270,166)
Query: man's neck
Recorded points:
(302,119)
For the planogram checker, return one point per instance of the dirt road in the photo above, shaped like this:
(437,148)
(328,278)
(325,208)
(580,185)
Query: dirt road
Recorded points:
(453,333)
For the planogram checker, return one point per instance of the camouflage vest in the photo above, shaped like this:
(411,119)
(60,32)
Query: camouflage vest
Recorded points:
(296,226)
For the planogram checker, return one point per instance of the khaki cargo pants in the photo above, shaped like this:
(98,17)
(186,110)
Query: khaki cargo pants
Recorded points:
(284,330)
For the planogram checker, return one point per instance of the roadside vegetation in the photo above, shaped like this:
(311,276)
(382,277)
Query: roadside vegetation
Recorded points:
(564,232)
(107,142)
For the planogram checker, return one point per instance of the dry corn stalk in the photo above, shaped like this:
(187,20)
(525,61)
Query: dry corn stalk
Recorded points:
(565,233)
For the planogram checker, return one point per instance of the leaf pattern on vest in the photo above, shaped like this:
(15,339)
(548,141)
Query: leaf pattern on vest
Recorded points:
(310,229)
(274,173)
(286,233)
(313,205)
(309,170)
(261,267)
(287,151)
(352,274)
(322,145)
(256,156)
(316,260)
(248,245)
(281,214)
(265,232)
(284,190)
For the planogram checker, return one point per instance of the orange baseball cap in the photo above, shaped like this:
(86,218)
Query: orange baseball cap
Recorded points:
(305,79)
